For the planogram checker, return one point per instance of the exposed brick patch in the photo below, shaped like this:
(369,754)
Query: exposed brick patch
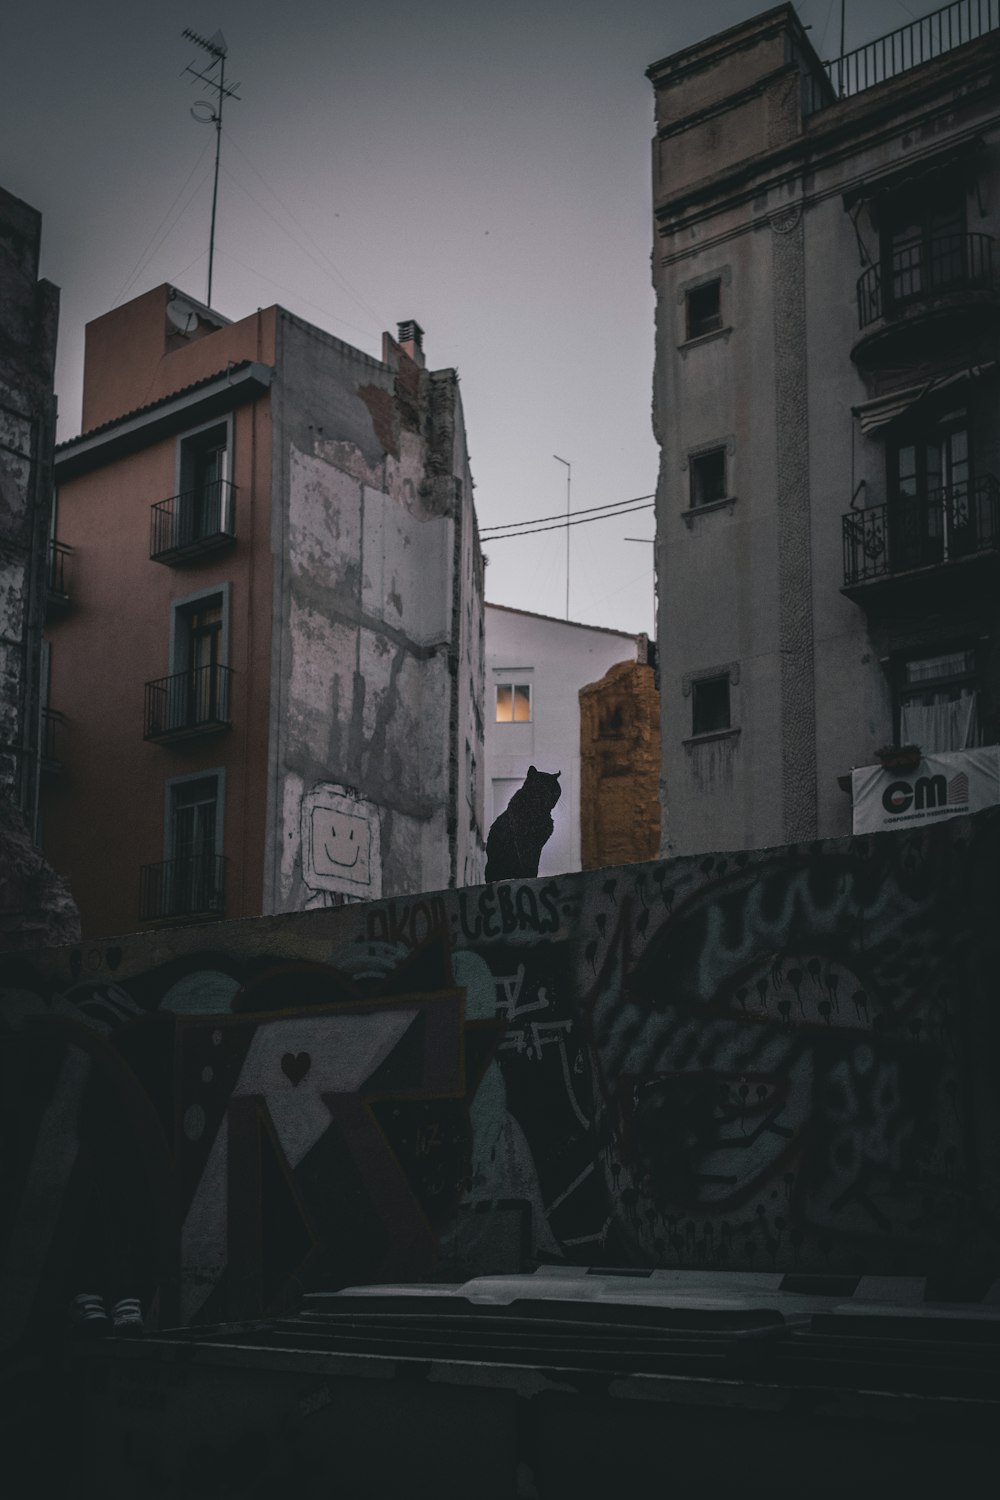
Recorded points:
(385,418)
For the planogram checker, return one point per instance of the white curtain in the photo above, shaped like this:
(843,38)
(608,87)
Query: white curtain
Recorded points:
(940,726)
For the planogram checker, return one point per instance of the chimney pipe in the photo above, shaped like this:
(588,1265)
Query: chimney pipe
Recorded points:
(410,338)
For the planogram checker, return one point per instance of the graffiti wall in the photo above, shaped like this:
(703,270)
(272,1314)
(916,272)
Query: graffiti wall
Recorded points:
(784,1060)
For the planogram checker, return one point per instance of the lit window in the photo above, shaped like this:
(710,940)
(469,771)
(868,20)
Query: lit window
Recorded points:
(710,705)
(708,477)
(704,309)
(513,703)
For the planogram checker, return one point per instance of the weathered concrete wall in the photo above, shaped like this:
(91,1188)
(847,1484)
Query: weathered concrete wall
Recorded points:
(620,767)
(29,313)
(780,208)
(779,1060)
(377,604)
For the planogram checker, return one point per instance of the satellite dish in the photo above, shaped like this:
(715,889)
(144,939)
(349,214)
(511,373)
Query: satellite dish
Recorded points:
(183,318)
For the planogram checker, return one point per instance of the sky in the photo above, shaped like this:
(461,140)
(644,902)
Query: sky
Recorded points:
(482,168)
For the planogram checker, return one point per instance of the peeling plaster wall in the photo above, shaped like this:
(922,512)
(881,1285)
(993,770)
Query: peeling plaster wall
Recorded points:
(29,311)
(375,566)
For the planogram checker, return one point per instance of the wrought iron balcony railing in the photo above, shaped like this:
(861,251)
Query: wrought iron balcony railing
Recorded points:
(188,703)
(926,269)
(922,531)
(193,885)
(197,522)
(920,41)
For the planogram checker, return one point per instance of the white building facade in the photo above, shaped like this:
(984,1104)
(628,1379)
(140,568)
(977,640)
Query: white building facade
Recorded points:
(825,398)
(535,668)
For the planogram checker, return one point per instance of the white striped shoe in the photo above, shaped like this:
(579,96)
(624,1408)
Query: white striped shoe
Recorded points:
(126,1316)
(90,1316)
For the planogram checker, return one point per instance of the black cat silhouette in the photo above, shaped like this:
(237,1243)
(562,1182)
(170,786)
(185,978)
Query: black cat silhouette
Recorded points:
(516,840)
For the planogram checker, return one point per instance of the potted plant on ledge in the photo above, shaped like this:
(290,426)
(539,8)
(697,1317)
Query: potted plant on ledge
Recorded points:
(899,757)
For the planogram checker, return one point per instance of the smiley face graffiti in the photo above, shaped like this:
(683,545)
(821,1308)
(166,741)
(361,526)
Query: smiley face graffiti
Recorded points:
(340,842)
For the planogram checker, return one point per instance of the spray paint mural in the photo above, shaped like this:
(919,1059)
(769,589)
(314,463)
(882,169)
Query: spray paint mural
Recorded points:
(783,1060)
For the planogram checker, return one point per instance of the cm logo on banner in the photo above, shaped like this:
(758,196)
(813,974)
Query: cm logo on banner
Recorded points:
(926,792)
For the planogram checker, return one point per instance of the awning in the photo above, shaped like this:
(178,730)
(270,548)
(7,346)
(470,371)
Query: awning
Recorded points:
(914,171)
(886,409)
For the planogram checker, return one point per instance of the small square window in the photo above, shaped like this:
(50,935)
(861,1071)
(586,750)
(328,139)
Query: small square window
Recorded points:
(710,705)
(704,309)
(513,703)
(708,477)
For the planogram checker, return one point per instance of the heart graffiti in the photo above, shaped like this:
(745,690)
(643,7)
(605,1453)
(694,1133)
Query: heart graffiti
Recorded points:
(295,1066)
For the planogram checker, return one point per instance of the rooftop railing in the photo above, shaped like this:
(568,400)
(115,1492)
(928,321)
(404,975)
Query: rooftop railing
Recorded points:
(907,47)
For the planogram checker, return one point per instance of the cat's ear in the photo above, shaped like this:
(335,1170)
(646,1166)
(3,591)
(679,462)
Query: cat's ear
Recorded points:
(532,771)
(557,774)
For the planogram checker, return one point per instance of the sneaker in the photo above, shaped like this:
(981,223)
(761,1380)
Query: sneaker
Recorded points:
(126,1317)
(90,1316)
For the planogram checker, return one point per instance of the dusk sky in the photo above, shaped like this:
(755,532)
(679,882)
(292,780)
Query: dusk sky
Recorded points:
(481,168)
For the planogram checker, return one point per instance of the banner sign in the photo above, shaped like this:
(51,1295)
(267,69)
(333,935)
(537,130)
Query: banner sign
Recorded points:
(949,785)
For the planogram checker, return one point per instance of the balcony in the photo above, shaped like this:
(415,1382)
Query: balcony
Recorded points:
(50,749)
(948,280)
(57,598)
(187,705)
(193,525)
(185,889)
(948,535)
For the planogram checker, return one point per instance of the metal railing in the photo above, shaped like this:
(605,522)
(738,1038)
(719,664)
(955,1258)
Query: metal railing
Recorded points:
(187,702)
(192,520)
(918,42)
(192,885)
(921,531)
(59,554)
(927,268)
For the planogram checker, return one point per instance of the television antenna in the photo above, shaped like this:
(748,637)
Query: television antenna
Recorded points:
(216,48)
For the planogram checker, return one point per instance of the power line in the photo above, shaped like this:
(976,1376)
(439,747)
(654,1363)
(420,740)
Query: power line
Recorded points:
(151,249)
(579,520)
(587,510)
(331,266)
(283,287)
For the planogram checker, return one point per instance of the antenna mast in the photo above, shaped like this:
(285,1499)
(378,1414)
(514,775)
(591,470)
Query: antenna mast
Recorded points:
(216,48)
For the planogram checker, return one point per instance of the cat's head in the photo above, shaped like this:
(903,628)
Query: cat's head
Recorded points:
(543,787)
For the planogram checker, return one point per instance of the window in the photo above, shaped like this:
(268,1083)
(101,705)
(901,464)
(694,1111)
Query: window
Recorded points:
(204,506)
(708,477)
(924,245)
(710,705)
(703,306)
(190,881)
(937,701)
(933,508)
(513,703)
(195,696)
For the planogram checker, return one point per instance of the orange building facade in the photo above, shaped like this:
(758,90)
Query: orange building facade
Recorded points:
(245,657)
